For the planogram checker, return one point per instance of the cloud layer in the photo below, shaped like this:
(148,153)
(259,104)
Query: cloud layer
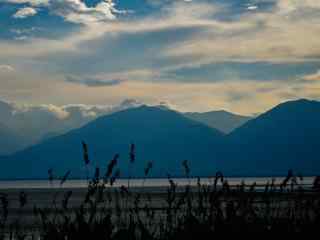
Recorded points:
(243,56)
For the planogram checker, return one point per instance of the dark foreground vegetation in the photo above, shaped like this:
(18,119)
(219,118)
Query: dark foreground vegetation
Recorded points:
(199,212)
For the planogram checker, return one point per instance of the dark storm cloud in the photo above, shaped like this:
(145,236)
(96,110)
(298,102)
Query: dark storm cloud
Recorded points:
(94,82)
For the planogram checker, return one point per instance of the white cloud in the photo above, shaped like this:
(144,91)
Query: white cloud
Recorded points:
(273,36)
(71,10)
(74,112)
(25,12)
(98,23)
(282,39)
(278,35)
(252,7)
(34,111)
(31,2)
(59,112)
(78,12)
(6,68)
(315,77)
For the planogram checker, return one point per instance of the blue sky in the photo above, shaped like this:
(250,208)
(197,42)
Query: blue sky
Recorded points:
(244,56)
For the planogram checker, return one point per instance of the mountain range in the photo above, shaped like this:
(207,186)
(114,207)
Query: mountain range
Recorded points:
(221,120)
(162,136)
(38,123)
(285,137)
(10,141)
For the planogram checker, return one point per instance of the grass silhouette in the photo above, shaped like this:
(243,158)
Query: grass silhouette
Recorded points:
(203,211)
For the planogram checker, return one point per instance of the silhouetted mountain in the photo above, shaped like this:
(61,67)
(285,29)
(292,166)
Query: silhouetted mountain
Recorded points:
(286,137)
(31,122)
(162,136)
(224,121)
(36,123)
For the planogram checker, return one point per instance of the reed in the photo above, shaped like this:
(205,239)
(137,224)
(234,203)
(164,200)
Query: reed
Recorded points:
(203,211)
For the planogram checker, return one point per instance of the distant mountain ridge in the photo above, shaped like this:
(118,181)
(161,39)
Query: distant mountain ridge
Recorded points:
(162,136)
(221,120)
(285,137)
(37,123)
(10,141)
(31,122)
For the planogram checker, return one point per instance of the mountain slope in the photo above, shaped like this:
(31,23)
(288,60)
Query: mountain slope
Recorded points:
(9,140)
(286,137)
(31,122)
(224,121)
(162,136)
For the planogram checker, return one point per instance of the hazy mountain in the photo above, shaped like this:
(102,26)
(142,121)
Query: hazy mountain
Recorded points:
(222,120)
(162,136)
(36,123)
(287,136)
(10,141)
(6,111)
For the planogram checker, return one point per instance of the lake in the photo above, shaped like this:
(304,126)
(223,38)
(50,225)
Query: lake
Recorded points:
(149,183)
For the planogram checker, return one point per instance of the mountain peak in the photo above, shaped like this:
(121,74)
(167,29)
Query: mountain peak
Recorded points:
(298,102)
(285,137)
(164,136)
(140,110)
(292,109)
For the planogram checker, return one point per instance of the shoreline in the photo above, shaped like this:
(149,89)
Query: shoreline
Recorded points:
(144,183)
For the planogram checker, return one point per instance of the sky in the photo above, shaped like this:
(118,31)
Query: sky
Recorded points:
(243,56)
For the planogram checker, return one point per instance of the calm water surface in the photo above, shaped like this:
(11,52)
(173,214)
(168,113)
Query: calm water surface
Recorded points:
(152,182)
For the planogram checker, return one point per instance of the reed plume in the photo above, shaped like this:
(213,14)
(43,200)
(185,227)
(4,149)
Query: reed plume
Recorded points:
(111,166)
(50,176)
(115,177)
(132,157)
(86,159)
(132,153)
(195,212)
(85,153)
(148,168)
(65,177)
